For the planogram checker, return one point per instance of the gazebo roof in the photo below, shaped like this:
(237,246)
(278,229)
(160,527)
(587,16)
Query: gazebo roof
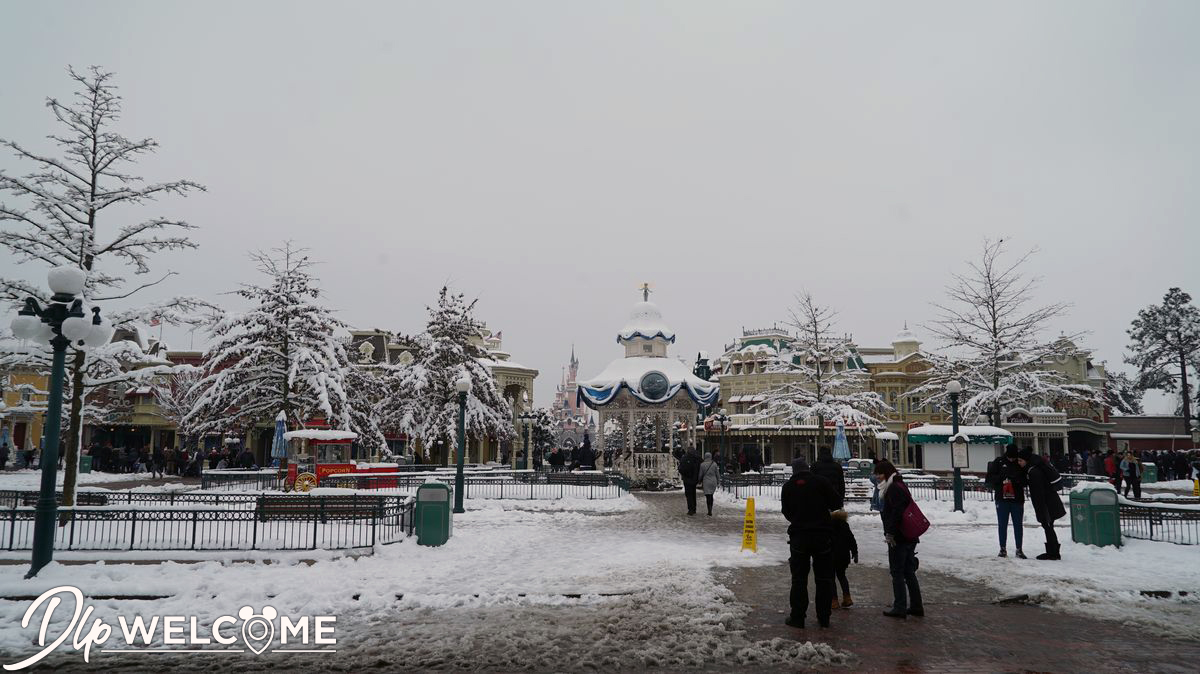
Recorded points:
(627,373)
(646,321)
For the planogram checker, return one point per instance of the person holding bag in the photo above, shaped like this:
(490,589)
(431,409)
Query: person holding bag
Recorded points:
(903,524)
(1007,480)
(709,478)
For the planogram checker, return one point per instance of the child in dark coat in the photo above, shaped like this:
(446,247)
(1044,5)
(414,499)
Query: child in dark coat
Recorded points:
(844,548)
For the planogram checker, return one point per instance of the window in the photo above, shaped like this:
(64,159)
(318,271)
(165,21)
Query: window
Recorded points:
(647,348)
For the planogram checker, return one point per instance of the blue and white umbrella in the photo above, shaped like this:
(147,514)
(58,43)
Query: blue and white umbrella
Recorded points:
(841,448)
(279,445)
(4,437)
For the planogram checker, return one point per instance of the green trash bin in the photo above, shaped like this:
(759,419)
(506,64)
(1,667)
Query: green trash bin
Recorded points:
(85,464)
(1149,473)
(434,520)
(1095,515)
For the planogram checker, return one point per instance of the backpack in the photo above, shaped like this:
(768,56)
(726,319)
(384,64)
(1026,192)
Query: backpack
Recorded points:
(689,468)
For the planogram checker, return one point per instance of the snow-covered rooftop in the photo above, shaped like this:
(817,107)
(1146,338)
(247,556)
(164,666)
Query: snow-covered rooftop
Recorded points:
(646,321)
(316,434)
(628,373)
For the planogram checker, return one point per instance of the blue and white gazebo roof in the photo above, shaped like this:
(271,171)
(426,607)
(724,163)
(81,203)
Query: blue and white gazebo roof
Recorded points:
(646,321)
(629,373)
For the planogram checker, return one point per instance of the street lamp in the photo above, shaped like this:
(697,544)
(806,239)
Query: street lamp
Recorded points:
(463,386)
(722,420)
(954,388)
(1195,435)
(703,371)
(526,423)
(61,323)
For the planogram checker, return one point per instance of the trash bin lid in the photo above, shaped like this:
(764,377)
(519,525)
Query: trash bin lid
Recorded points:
(1102,497)
(433,491)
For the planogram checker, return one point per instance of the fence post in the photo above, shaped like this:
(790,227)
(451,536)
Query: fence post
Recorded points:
(316,521)
(254,518)
(501,490)
(531,488)
(375,519)
(195,523)
(132,527)
(71,535)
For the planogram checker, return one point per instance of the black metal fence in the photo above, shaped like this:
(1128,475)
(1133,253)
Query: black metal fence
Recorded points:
(931,488)
(1161,522)
(251,480)
(249,522)
(526,486)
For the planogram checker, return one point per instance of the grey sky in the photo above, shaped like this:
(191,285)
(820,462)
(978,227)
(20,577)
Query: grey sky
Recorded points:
(550,156)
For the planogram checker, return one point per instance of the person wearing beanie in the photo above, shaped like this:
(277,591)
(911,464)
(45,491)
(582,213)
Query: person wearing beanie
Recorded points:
(845,548)
(807,500)
(831,469)
(1007,481)
(1043,494)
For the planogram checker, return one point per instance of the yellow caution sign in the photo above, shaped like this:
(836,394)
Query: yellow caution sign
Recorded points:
(1195,487)
(749,531)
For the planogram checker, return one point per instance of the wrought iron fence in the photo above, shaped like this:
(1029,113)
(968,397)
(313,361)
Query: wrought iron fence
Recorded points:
(529,486)
(264,522)
(1161,522)
(251,480)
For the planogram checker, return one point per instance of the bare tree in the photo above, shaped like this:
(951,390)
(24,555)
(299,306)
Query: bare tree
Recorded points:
(828,383)
(992,336)
(62,201)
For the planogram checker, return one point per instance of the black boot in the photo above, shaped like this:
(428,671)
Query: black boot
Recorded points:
(893,613)
(1051,552)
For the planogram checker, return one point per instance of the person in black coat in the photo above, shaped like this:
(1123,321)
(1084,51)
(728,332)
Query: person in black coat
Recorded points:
(807,500)
(689,472)
(845,547)
(1007,480)
(831,469)
(1043,494)
(902,551)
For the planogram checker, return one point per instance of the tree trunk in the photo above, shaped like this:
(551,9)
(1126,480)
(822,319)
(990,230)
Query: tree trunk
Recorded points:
(1187,400)
(820,435)
(74,432)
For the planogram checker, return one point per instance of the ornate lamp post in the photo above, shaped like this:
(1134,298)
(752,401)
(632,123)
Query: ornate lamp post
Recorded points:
(703,371)
(722,420)
(463,386)
(954,388)
(526,461)
(60,324)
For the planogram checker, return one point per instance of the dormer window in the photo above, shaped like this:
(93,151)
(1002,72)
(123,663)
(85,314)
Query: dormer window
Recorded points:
(647,348)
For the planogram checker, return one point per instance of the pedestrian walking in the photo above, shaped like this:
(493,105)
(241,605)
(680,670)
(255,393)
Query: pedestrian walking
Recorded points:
(1043,494)
(1007,480)
(689,472)
(806,500)
(902,548)
(160,461)
(709,479)
(1131,469)
(845,548)
(3,456)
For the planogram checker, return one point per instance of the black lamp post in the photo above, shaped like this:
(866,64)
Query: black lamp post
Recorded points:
(61,323)
(463,386)
(722,420)
(526,422)
(703,371)
(956,443)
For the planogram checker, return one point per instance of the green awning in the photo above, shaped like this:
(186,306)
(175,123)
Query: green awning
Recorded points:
(922,439)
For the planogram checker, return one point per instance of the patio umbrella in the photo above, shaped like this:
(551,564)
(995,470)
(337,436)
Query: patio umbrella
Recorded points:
(841,449)
(4,437)
(279,445)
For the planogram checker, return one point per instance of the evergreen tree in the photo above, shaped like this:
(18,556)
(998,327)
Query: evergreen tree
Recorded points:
(993,344)
(282,354)
(1165,343)
(1123,395)
(427,402)
(826,382)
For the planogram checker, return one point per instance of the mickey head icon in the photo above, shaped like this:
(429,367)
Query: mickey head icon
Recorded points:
(258,629)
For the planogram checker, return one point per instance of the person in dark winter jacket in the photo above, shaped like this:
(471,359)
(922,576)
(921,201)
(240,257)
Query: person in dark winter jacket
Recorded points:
(830,469)
(689,472)
(845,548)
(1043,494)
(1007,480)
(902,552)
(807,499)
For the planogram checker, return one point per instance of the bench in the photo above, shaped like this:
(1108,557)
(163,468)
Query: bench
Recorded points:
(324,507)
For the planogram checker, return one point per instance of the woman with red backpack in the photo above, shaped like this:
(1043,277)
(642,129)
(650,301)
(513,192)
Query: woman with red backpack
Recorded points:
(903,525)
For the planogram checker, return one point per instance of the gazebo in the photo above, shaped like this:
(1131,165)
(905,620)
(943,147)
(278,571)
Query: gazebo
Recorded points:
(646,396)
(984,444)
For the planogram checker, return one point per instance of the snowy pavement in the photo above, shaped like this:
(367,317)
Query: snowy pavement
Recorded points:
(616,585)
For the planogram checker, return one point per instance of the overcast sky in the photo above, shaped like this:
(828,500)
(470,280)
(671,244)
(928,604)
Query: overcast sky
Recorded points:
(548,157)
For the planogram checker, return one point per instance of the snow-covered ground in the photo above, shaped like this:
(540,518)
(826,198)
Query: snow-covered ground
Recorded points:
(32,479)
(1097,582)
(1175,485)
(626,591)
